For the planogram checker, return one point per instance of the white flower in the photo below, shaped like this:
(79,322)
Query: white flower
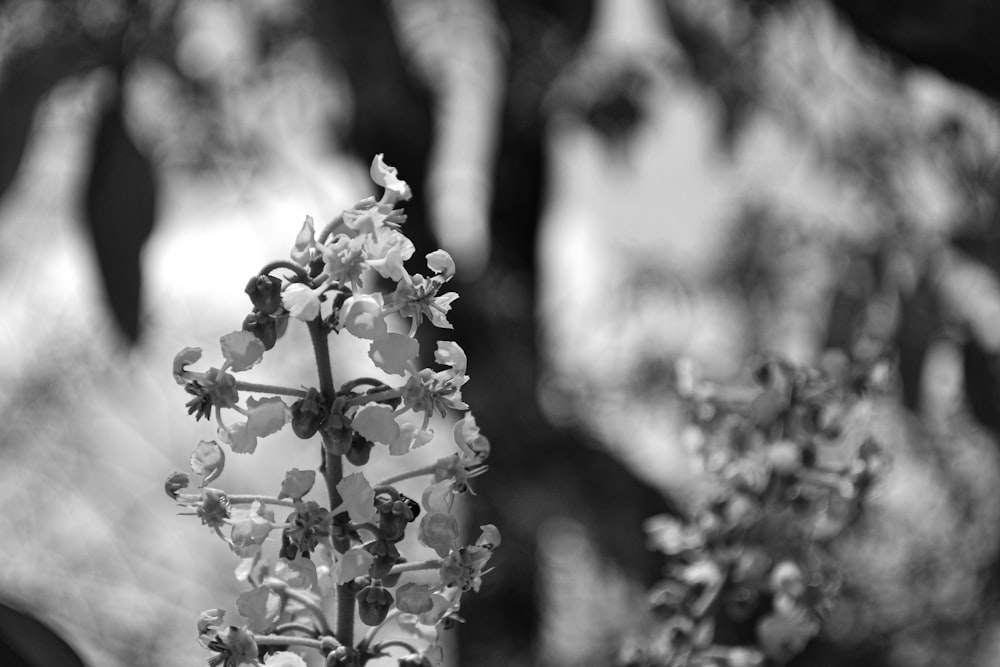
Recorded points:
(301,302)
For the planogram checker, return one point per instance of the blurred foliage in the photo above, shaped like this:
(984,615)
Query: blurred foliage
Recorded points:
(890,248)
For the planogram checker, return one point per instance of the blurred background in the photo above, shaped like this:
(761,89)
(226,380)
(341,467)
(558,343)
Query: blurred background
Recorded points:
(623,184)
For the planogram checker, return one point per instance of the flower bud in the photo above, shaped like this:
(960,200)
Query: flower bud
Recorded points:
(360,451)
(176,482)
(308,414)
(264,327)
(265,293)
(373,604)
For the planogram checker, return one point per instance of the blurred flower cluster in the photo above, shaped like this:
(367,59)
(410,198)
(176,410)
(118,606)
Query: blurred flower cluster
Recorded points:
(344,555)
(750,576)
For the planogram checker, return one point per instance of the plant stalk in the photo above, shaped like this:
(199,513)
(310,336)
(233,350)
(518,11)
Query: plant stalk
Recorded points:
(333,472)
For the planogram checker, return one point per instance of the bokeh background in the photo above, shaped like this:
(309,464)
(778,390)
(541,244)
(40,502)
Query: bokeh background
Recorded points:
(623,184)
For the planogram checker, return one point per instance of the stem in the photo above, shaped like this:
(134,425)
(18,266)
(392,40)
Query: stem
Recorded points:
(416,472)
(283,640)
(333,472)
(295,627)
(285,264)
(370,635)
(361,399)
(432,564)
(282,588)
(382,646)
(350,385)
(269,389)
(246,499)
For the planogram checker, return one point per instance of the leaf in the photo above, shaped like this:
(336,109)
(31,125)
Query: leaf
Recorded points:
(27,641)
(120,211)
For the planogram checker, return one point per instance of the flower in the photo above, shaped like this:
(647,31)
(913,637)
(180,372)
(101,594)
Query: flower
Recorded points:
(429,391)
(396,189)
(344,261)
(305,249)
(387,254)
(214,388)
(250,528)
(234,647)
(417,297)
(301,301)
(375,422)
(362,316)
(439,532)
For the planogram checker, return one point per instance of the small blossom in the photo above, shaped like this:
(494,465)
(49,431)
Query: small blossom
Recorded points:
(410,437)
(417,297)
(297,483)
(375,422)
(266,416)
(309,523)
(440,262)
(344,261)
(358,497)
(208,460)
(239,438)
(439,497)
(393,352)
(235,647)
(430,392)
(439,532)
(260,607)
(396,189)
(250,528)
(209,622)
(414,598)
(188,355)
(214,508)
(242,350)
(362,316)
(305,249)
(386,254)
(284,659)
(214,389)
(464,568)
(301,302)
(354,563)
(374,602)
(176,483)
(265,293)
(308,414)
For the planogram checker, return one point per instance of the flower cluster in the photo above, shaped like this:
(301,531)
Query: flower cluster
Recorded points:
(757,554)
(344,554)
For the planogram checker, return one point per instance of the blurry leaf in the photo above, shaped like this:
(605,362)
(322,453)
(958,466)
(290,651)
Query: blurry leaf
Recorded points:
(25,640)
(27,75)
(120,210)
